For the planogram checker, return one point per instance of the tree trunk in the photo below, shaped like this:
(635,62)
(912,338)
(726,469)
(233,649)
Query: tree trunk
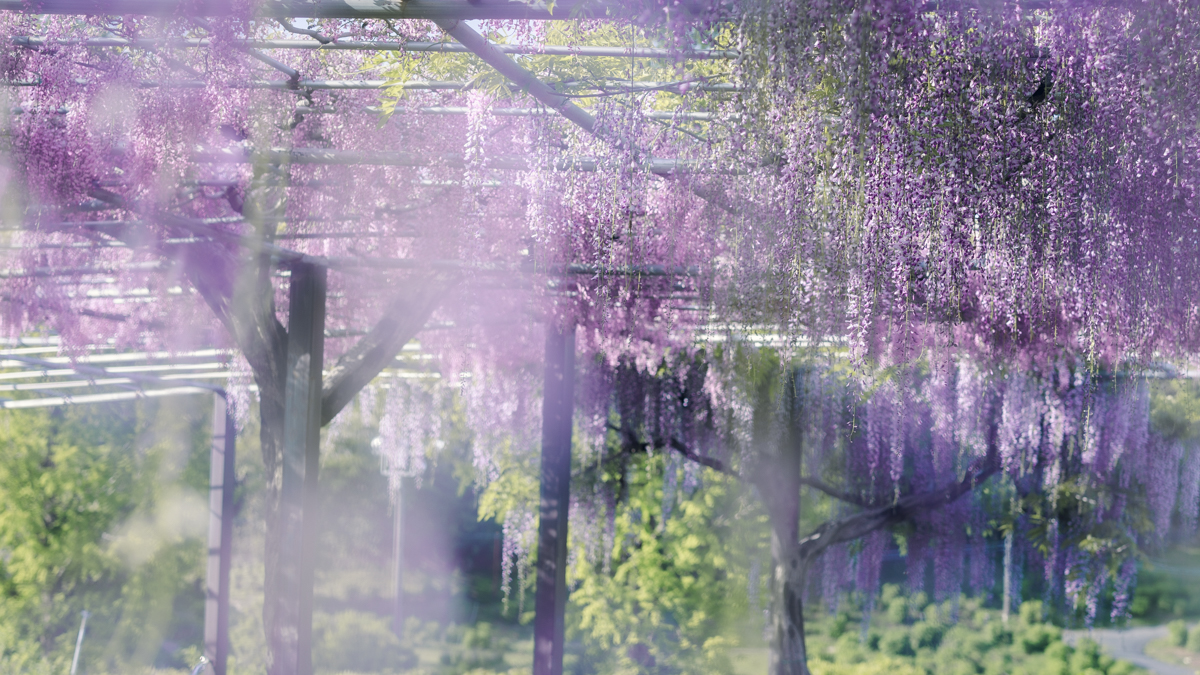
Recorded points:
(789,655)
(780,485)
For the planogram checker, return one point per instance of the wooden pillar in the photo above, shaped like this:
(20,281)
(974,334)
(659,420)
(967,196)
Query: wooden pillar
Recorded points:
(301,455)
(558,404)
(221,484)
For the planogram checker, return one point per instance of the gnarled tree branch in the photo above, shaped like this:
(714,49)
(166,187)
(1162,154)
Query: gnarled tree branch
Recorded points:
(861,524)
(403,317)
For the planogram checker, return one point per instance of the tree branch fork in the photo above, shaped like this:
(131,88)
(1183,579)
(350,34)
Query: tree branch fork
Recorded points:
(873,517)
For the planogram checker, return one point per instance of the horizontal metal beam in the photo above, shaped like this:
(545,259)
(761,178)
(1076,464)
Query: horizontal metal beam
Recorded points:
(519,112)
(82,271)
(100,398)
(330,9)
(457,110)
(392,46)
(104,382)
(416,85)
(413,9)
(509,163)
(131,371)
(134,373)
(118,357)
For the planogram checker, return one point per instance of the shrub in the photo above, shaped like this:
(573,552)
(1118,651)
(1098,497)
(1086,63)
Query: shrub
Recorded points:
(896,643)
(838,626)
(1037,637)
(995,633)
(1086,657)
(925,634)
(1177,632)
(1031,611)
(1122,668)
(897,610)
(1193,638)
(848,649)
(360,642)
(932,614)
(478,636)
(1059,651)
(920,601)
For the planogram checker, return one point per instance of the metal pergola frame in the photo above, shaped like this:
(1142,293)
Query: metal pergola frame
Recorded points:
(31,365)
(306,328)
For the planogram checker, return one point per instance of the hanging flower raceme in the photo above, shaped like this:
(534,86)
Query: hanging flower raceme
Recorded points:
(1014,173)
(408,428)
(1076,466)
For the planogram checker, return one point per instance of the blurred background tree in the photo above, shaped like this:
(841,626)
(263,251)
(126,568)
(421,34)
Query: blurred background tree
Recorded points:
(101,510)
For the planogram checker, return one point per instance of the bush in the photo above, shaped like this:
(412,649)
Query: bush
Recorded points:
(896,643)
(478,636)
(933,614)
(848,649)
(1160,594)
(897,610)
(1031,611)
(1038,637)
(1122,668)
(1177,633)
(1193,639)
(995,633)
(1086,657)
(920,601)
(838,627)
(358,642)
(925,634)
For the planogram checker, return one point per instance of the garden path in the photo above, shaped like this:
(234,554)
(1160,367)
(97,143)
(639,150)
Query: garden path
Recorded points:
(1130,644)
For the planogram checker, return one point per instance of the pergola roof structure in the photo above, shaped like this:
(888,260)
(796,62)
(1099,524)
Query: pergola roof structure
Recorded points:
(449,15)
(333,9)
(300,392)
(36,376)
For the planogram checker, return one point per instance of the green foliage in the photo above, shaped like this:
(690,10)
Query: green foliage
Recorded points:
(976,644)
(1177,632)
(1175,408)
(1193,638)
(896,642)
(926,635)
(669,587)
(1036,638)
(897,610)
(1160,594)
(357,642)
(606,73)
(99,510)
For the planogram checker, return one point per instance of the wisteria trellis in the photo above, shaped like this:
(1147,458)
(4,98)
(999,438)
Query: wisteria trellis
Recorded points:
(1002,180)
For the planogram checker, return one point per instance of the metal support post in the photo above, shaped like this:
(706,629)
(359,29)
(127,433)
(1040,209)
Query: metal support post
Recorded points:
(221,484)
(398,561)
(79,640)
(301,456)
(1006,603)
(558,405)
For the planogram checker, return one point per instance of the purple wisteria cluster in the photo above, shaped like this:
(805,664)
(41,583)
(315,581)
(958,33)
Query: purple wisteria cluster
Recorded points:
(205,157)
(1022,180)
(993,207)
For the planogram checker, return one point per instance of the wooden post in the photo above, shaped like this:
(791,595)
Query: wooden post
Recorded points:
(221,484)
(301,456)
(558,405)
